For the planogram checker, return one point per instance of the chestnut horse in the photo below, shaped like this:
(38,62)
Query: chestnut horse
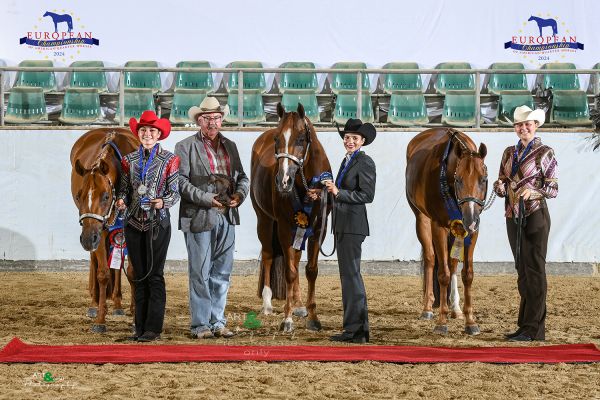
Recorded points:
(466,190)
(96,167)
(282,160)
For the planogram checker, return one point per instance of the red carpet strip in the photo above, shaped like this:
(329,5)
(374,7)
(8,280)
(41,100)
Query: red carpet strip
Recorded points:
(19,352)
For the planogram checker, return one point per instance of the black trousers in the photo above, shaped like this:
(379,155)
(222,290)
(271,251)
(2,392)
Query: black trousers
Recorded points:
(354,296)
(531,271)
(150,294)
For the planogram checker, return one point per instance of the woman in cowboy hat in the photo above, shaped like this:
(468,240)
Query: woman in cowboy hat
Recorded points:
(148,188)
(528,171)
(353,188)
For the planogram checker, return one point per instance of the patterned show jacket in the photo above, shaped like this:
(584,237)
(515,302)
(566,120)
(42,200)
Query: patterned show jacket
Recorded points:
(162,181)
(538,172)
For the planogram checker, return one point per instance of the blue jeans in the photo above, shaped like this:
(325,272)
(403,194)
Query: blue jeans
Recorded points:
(210,261)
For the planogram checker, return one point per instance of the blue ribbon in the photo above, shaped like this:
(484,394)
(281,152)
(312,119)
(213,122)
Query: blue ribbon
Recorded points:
(144,166)
(338,181)
(543,47)
(449,201)
(516,160)
(59,42)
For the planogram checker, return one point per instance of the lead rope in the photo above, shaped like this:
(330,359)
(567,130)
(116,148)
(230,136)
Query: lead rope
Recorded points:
(324,197)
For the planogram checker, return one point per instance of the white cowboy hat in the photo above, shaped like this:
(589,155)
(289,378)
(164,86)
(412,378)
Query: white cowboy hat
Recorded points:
(524,113)
(207,106)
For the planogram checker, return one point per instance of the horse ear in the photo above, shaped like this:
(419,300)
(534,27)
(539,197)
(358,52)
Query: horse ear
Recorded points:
(482,150)
(103,167)
(79,168)
(301,110)
(280,110)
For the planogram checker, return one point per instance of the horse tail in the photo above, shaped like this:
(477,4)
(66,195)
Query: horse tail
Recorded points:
(277,280)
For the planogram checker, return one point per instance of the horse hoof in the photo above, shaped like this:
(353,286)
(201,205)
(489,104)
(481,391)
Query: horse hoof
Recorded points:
(118,311)
(313,325)
(472,330)
(286,327)
(99,328)
(457,315)
(426,315)
(92,312)
(441,329)
(267,310)
(300,312)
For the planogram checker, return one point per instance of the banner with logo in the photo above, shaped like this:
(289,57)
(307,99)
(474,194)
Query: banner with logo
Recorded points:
(325,32)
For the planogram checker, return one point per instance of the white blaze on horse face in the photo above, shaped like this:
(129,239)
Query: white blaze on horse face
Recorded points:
(286,177)
(473,226)
(90,196)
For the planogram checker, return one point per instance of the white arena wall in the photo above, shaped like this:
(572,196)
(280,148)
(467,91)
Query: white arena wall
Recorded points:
(38,220)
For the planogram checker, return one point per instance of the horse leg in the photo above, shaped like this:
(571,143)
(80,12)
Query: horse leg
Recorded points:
(424,235)
(290,257)
(299,309)
(102,277)
(440,244)
(92,311)
(117,295)
(265,235)
(471,326)
(454,295)
(312,270)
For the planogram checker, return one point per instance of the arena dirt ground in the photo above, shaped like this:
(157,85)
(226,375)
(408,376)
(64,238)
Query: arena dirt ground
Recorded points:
(49,308)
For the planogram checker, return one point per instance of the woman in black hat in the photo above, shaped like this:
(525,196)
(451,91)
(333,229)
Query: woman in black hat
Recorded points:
(353,188)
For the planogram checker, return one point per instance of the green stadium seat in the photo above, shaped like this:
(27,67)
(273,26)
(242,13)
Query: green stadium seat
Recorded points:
(253,110)
(26,105)
(194,80)
(459,108)
(560,81)
(593,79)
(136,102)
(80,106)
(252,80)
(344,82)
(45,79)
(183,100)
(345,108)
(298,81)
(395,82)
(503,82)
(407,108)
(510,100)
(95,80)
(290,100)
(570,108)
(142,79)
(446,82)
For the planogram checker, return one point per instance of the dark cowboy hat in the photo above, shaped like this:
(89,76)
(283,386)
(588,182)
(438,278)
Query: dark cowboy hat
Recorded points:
(149,118)
(366,130)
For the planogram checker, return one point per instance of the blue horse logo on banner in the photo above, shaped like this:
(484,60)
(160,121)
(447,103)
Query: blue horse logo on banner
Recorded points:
(545,22)
(58,18)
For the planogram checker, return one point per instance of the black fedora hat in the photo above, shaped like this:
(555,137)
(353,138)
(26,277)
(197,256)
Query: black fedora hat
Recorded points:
(366,130)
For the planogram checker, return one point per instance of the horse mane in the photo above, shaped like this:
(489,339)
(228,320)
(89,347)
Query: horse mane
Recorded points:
(102,156)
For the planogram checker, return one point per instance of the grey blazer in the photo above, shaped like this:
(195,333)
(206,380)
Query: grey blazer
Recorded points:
(196,213)
(357,189)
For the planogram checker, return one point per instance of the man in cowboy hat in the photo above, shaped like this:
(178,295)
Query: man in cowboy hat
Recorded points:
(528,176)
(207,225)
(353,188)
(149,186)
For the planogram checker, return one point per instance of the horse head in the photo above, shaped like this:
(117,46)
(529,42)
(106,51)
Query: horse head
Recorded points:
(292,142)
(470,184)
(95,200)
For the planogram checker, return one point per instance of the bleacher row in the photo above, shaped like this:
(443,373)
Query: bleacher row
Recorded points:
(400,98)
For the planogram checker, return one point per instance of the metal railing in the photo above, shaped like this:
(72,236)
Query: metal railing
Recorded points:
(241,71)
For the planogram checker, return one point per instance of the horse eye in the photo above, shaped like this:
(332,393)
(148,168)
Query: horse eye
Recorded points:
(78,196)
(104,197)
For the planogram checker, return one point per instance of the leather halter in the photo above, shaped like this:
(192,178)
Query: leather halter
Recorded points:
(104,219)
(468,153)
(299,161)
